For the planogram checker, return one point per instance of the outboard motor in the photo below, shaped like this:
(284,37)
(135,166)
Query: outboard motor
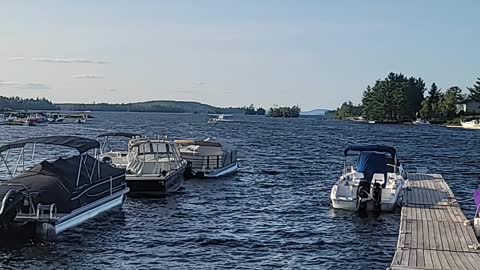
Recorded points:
(189,171)
(377,197)
(10,206)
(362,197)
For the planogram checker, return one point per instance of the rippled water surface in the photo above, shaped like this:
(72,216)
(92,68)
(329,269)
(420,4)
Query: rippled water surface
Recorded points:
(274,214)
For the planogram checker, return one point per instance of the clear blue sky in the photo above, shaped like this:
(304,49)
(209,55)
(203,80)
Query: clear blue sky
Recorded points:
(232,53)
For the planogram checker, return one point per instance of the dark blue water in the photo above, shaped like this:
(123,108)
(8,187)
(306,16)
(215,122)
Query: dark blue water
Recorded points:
(274,214)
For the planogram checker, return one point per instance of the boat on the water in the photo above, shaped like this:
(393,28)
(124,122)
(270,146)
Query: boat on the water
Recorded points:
(209,157)
(419,121)
(471,124)
(155,167)
(375,183)
(110,150)
(219,118)
(56,194)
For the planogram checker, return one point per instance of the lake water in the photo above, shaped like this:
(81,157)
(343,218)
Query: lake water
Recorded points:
(274,214)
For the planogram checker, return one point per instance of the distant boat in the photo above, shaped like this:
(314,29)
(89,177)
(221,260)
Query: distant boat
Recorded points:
(472,124)
(420,122)
(219,118)
(371,122)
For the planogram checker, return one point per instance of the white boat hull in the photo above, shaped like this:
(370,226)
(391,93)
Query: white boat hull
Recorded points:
(351,205)
(470,125)
(222,171)
(48,230)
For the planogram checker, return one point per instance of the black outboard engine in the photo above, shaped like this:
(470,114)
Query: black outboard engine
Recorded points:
(377,197)
(362,197)
(189,171)
(9,207)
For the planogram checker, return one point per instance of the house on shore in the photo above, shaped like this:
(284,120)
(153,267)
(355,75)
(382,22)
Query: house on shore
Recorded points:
(468,106)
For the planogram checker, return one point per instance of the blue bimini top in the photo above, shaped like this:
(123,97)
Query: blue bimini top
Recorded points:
(370,163)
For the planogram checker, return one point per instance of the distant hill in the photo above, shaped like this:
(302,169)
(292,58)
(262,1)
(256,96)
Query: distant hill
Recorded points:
(169,106)
(314,112)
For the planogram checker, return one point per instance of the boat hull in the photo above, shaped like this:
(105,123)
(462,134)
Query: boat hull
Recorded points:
(154,185)
(232,168)
(351,205)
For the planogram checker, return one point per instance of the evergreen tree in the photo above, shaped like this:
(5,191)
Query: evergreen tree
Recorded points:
(475,91)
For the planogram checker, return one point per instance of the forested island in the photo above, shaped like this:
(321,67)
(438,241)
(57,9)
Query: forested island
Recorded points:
(289,112)
(398,98)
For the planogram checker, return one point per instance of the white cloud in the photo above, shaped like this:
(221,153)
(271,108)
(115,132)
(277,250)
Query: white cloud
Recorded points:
(87,76)
(23,85)
(16,58)
(70,60)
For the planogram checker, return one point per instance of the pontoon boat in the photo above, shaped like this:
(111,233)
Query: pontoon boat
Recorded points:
(155,167)
(56,194)
(210,157)
(374,184)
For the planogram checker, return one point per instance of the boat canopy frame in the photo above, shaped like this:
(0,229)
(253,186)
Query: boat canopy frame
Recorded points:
(82,145)
(371,148)
(105,145)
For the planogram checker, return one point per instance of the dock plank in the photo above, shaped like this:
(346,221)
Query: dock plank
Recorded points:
(432,234)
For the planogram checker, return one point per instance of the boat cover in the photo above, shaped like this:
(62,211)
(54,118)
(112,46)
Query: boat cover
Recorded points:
(371,148)
(370,163)
(56,182)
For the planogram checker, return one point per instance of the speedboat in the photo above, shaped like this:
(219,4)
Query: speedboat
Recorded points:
(114,155)
(219,118)
(209,157)
(471,124)
(56,194)
(420,122)
(375,183)
(155,167)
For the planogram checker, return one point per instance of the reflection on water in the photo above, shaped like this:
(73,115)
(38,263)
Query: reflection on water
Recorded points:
(275,213)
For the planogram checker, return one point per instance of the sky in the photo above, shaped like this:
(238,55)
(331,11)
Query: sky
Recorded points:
(315,54)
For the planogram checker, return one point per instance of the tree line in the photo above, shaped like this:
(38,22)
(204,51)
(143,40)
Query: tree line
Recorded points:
(399,98)
(18,103)
(250,110)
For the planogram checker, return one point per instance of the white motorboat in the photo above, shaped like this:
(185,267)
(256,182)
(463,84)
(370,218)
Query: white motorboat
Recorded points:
(471,124)
(209,157)
(375,183)
(155,167)
(419,121)
(111,150)
(219,118)
(56,195)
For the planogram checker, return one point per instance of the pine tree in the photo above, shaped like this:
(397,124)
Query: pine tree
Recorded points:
(475,91)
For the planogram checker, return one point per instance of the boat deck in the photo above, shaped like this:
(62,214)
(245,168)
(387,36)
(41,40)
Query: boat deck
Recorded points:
(432,231)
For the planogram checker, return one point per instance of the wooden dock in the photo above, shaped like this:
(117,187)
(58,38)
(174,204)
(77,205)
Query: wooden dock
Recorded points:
(432,231)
